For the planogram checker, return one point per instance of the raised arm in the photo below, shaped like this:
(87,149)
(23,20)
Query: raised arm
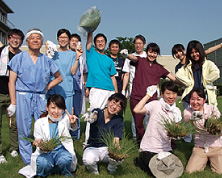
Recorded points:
(74,68)
(212,49)
(131,57)
(89,41)
(140,107)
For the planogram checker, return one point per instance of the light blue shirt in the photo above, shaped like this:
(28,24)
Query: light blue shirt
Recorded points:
(64,60)
(32,77)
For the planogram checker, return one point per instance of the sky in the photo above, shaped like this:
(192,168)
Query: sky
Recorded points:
(165,22)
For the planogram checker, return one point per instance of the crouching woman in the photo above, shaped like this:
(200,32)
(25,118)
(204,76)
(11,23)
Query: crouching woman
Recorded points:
(54,125)
(206,146)
(105,121)
(155,139)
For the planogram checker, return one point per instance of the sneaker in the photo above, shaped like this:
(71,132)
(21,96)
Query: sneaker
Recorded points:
(2,159)
(96,172)
(14,153)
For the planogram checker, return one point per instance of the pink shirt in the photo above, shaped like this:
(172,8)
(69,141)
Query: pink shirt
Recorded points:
(155,138)
(201,139)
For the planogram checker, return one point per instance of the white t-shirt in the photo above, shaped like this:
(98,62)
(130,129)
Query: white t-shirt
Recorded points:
(131,69)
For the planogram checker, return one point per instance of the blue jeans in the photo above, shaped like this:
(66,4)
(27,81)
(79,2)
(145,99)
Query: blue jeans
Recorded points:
(55,162)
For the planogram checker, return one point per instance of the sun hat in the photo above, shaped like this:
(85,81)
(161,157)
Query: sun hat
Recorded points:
(167,167)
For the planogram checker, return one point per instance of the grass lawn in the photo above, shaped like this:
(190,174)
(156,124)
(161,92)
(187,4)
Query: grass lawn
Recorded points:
(126,170)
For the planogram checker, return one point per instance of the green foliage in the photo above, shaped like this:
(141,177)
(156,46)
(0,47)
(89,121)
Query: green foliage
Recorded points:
(119,151)
(49,145)
(177,130)
(125,43)
(126,170)
(214,125)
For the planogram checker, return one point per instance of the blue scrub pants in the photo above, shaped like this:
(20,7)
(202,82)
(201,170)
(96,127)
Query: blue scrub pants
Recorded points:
(28,105)
(55,162)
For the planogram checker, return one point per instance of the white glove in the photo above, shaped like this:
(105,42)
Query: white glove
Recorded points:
(51,49)
(11,110)
(196,115)
(89,117)
(124,53)
(151,90)
(114,162)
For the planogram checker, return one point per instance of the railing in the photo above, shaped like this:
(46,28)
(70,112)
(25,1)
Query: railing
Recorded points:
(10,24)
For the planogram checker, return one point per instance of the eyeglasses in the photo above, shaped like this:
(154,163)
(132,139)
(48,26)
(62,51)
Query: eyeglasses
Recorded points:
(115,103)
(16,37)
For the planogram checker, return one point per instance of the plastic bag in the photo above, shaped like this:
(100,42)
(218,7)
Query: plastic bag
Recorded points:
(90,20)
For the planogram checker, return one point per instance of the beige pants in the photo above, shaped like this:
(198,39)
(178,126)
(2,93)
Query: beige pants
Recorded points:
(199,158)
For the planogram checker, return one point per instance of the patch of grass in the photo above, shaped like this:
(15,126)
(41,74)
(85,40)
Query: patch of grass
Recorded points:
(126,170)
(177,130)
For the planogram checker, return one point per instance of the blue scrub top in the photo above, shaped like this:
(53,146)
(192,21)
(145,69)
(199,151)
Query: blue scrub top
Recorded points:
(32,77)
(64,60)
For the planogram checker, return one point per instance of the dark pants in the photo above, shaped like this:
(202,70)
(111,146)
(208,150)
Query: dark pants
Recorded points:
(13,132)
(143,161)
(138,118)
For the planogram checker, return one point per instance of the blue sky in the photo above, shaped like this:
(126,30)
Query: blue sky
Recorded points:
(165,22)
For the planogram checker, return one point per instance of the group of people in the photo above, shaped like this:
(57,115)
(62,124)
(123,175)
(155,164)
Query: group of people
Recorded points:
(52,91)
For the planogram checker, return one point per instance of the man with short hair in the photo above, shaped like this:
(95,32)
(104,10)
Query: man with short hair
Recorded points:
(139,44)
(79,82)
(29,80)
(114,47)
(15,39)
(101,74)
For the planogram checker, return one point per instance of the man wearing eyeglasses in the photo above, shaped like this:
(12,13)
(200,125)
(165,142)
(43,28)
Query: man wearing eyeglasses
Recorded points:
(15,39)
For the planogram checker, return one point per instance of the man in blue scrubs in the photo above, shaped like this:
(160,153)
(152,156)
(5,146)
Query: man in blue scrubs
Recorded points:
(29,80)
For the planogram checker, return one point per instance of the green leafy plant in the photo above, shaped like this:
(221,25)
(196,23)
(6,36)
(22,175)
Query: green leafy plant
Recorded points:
(213,125)
(177,130)
(49,145)
(119,151)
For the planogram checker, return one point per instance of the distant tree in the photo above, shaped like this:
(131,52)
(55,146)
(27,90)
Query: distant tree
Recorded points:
(126,43)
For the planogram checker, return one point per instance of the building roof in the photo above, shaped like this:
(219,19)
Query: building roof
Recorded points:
(5,7)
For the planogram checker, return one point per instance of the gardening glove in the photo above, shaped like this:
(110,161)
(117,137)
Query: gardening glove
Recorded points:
(11,110)
(114,162)
(124,53)
(89,117)
(196,115)
(151,90)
